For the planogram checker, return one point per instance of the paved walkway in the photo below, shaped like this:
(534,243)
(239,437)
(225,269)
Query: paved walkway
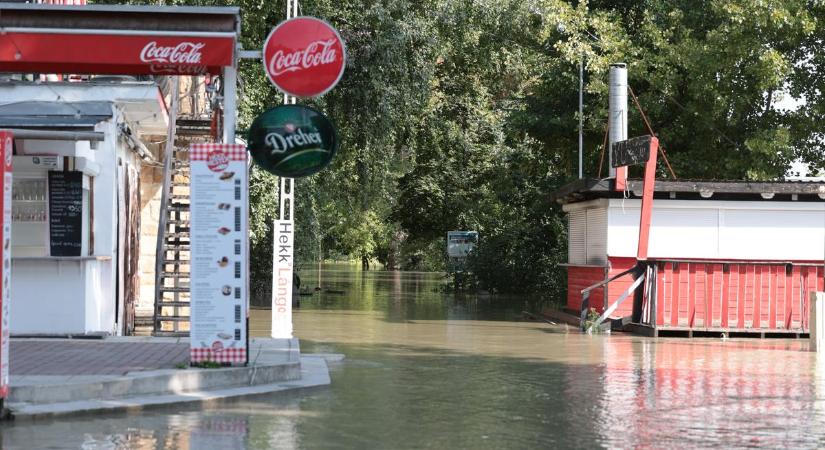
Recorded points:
(93,357)
(51,377)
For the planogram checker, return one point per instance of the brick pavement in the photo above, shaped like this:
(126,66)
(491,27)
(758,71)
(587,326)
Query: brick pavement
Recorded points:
(85,357)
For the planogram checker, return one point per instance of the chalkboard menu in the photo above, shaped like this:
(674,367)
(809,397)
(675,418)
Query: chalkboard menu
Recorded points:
(631,151)
(65,212)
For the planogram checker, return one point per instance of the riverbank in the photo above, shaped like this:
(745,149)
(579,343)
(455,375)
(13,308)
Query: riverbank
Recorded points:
(58,377)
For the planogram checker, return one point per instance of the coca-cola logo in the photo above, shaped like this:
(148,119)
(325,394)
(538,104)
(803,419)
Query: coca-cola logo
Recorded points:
(315,54)
(217,161)
(304,57)
(183,53)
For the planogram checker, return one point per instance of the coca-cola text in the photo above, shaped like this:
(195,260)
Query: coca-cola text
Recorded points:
(315,54)
(183,53)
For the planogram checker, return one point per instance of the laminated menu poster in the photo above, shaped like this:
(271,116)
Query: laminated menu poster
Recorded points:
(5,255)
(218,190)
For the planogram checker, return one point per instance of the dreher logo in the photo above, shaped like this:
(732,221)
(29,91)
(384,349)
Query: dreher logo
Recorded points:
(315,54)
(217,161)
(280,143)
(183,53)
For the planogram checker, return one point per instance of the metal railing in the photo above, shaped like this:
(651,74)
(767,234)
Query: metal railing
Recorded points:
(585,307)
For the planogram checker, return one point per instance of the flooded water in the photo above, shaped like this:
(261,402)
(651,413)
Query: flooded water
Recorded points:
(425,369)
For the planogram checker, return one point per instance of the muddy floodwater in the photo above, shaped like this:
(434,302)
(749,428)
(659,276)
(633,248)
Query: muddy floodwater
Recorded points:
(426,369)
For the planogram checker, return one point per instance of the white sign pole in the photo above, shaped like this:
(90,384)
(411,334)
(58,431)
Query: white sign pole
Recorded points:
(284,246)
(282,264)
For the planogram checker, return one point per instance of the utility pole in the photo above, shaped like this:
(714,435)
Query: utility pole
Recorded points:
(581,112)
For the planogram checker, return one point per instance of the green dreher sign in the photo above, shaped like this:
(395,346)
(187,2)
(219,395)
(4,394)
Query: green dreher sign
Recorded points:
(292,141)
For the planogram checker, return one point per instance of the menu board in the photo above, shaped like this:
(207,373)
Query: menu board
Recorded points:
(219,230)
(5,256)
(65,212)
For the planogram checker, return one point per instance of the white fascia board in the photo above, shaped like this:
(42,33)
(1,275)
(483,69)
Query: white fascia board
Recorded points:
(721,204)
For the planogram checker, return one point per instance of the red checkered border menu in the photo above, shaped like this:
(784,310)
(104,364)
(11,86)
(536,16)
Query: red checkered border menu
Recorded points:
(200,152)
(226,355)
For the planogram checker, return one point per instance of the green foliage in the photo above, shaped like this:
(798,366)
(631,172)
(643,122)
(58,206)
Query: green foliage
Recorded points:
(592,317)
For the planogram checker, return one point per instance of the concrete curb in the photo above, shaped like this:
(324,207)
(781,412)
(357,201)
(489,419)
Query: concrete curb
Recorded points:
(313,373)
(156,382)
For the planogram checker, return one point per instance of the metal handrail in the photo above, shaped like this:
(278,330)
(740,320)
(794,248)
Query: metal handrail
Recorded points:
(168,156)
(607,312)
(603,282)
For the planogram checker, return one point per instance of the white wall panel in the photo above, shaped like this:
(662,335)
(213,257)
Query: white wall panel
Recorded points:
(774,235)
(721,230)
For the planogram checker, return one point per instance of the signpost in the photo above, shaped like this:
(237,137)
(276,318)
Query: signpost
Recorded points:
(302,57)
(218,198)
(459,245)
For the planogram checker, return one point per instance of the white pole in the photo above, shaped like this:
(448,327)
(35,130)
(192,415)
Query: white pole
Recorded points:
(230,75)
(581,112)
(284,245)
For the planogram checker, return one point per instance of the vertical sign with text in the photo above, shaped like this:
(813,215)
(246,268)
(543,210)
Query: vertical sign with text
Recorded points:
(6,147)
(282,269)
(219,233)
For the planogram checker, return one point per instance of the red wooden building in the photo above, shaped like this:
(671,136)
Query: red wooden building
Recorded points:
(737,257)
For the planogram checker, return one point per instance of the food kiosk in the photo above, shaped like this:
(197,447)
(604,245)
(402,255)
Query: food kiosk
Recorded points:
(70,204)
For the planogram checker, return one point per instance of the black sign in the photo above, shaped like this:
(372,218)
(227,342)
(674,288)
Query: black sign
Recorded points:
(65,212)
(631,151)
(292,141)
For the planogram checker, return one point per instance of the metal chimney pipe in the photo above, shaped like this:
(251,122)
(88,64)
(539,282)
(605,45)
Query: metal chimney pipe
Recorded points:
(617,109)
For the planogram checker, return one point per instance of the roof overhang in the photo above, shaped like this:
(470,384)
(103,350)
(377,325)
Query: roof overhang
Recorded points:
(139,102)
(115,39)
(589,188)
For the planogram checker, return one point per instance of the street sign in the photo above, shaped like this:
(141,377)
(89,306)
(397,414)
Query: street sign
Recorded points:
(461,243)
(292,141)
(304,57)
(631,151)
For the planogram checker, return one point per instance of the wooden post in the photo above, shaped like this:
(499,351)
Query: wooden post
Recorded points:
(647,200)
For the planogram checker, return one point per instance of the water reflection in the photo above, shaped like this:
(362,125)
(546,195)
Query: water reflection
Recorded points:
(425,369)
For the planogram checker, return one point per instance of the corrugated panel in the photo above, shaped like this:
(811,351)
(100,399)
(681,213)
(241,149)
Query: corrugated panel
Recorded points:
(737,297)
(576,237)
(597,236)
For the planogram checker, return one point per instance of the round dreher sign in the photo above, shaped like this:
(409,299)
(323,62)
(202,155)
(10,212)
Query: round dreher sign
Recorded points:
(292,141)
(304,57)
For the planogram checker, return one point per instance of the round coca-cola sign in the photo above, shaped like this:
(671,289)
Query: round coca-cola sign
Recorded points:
(304,57)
